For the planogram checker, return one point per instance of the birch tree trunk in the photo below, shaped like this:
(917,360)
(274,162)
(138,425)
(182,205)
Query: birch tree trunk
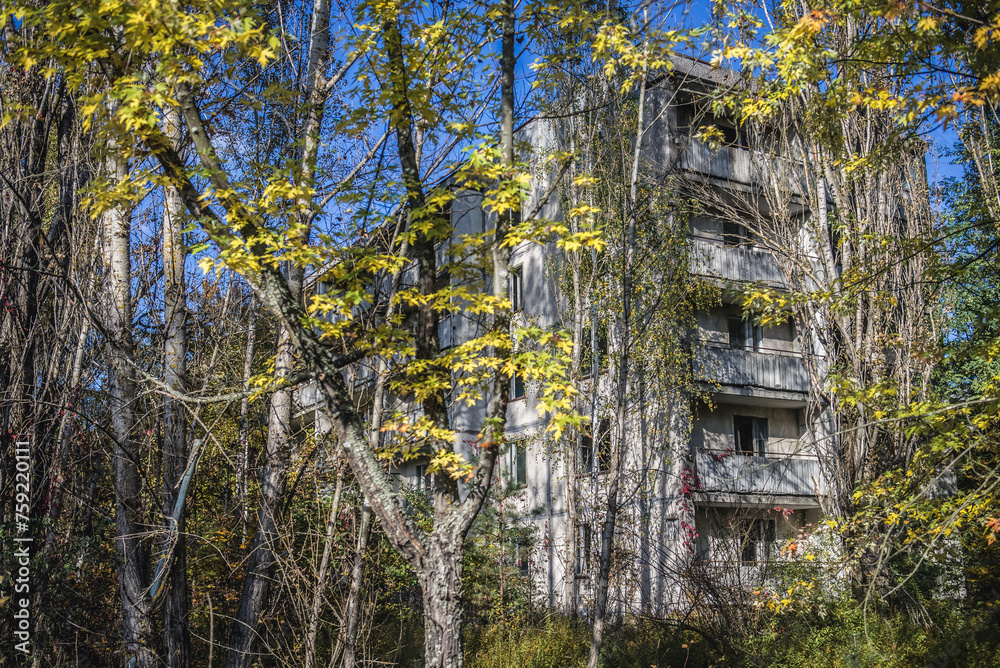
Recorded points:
(243,463)
(571,589)
(131,553)
(624,369)
(260,564)
(176,636)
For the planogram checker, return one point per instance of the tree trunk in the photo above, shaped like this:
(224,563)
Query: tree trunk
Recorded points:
(243,462)
(176,636)
(441,580)
(354,594)
(130,551)
(349,635)
(570,591)
(436,557)
(50,556)
(260,566)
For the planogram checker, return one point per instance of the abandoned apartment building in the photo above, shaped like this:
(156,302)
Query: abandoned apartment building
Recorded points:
(728,478)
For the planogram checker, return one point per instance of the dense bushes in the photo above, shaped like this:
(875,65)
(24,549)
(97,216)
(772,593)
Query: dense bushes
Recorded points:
(834,636)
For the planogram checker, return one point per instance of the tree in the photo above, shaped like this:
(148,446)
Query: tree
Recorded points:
(257,220)
(968,231)
(177,641)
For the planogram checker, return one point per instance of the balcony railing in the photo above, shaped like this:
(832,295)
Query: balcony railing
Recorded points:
(784,475)
(725,163)
(712,257)
(767,369)
(740,164)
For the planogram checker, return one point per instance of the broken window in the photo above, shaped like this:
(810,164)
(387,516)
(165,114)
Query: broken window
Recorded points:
(756,540)
(735,234)
(750,435)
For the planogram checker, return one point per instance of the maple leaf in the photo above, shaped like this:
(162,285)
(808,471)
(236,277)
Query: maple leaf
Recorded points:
(992,527)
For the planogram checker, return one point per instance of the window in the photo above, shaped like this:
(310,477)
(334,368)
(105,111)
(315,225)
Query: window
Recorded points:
(583,549)
(604,445)
(516,289)
(586,454)
(735,234)
(517,387)
(423,481)
(751,435)
(519,465)
(756,540)
(601,458)
(744,334)
(440,217)
(587,359)
(520,549)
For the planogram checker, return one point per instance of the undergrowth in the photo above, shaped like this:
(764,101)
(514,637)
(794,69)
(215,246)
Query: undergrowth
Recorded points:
(836,636)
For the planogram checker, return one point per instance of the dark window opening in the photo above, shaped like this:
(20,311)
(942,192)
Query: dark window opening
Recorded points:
(423,481)
(520,549)
(440,219)
(586,454)
(516,289)
(695,113)
(687,112)
(443,279)
(517,390)
(744,334)
(518,465)
(732,134)
(735,234)
(587,359)
(604,445)
(756,540)
(599,457)
(750,435)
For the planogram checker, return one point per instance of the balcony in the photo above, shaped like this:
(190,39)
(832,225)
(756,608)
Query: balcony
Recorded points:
(733,164)
(774,475)
(711,257)
(740,371)
(740,164)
